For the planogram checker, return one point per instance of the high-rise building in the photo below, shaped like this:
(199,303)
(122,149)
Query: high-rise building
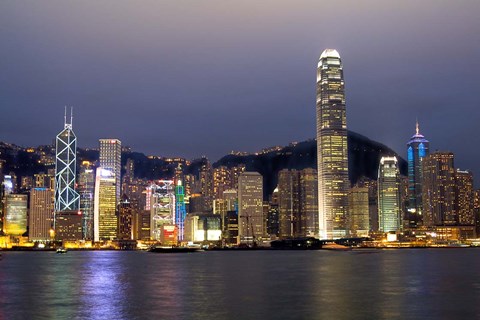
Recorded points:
(464,197)
(389,214)
(250,207)
(105,204)
(180,210)
(111,159)
(221,181)
(371,184)
(40,220)
(359,217)
(15,215)
(439,189)
(68,225)
(86,190)
(66,198)
(125,219)
(162,211)
(418,149)
(298,203)
(332,150)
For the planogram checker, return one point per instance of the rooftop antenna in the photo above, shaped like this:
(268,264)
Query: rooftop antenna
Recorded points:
(65,117)
(417,127)
(71,114)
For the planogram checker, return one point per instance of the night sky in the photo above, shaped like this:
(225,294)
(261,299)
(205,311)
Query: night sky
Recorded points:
(192,78)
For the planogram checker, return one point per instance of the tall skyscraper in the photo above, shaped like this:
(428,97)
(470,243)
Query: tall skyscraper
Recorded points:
(180,210)
(66,198)
(125,219)
(439,189)
(464,197)
(332,150)
(105,218)
(250,207)
(418,149)
(389,214)
(40,218)
(111,159)
(86,189)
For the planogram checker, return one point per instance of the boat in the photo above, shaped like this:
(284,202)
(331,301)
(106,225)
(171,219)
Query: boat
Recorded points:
(61,250)
(164,249)
(336,247)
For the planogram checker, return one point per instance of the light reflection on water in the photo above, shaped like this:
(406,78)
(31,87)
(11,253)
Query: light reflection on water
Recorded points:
(408,284)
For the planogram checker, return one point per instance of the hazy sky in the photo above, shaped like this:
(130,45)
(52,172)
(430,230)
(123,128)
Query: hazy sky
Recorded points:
(192,78)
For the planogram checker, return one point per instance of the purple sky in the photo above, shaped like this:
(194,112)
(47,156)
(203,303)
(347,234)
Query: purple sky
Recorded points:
(191,78)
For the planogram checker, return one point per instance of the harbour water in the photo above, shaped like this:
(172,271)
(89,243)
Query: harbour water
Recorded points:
(376,284)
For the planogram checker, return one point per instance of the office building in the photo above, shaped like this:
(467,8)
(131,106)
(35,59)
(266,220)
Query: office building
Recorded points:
(40,220)
(418,149)
(464,194)
(332,150)
(66,198)
(105,205)
(15,214)
(125,219)
(68,225)
(389,214)
(250,207)
(86,190)
(359,212)
(111,159)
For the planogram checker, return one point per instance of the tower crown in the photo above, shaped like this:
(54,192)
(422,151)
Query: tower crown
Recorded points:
(330,53)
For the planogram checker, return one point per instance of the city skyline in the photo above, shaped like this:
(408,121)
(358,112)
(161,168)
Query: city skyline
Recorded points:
(159,70)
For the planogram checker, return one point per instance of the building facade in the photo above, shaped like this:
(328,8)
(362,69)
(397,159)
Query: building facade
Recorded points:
(250,207)
(105,205)
(389,213)
(40,219)
(332,149)
(111,159)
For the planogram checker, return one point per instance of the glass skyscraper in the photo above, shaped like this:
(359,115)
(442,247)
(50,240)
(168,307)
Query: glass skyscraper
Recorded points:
(66,198)
(418,149)
(332,150)
(389,217)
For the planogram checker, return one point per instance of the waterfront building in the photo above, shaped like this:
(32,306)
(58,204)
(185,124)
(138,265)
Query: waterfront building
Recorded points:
(86,190)
(298,203)
(111,159)
(180,210)
(464,197)
(66,198)
(250,207)
(201,227)
(439,189)
(125,219)
(68,225)
(332,150)
(418,149)
(15,214)
(372,200)
(40,218)
(105,204)
(359,211)
(389,214)
(162,207)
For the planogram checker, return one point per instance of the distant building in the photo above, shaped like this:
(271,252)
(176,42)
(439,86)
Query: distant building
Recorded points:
(105,205)
(86,190)
(464,194)
(66,198)
(371,184)
(125,219)
(439,189)
(111,159)
(68,225)
(418,149)
(359,212)
(250,207)
(40,220)
(203,227)
(230,227)
(332,150)
(389,215)
(15,214)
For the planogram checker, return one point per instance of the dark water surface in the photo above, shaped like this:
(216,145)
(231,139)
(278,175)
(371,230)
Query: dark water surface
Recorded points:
(384,284)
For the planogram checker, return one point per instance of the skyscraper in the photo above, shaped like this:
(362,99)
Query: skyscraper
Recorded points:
(439,189)
(464,197)
(418,149)
(111,159)
(389,214)
(332,150)
(105,218)
(66,198)
(86,189)
(250,207)
(15,216)
(40,218)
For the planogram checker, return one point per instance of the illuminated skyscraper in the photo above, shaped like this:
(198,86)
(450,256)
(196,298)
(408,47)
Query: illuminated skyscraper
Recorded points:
(41,214)
(359,217)
(439,189)
(464,197)
(332,150)
(250,207)
(180,210)
(86,189)
(105,218)
(418,149)
(162,211)
(66,198)
(15,216)
(111,159)
(125,219)
(389,214)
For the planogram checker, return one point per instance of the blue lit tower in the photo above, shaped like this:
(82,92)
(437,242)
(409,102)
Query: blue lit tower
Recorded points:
(180,211)
(418,148)
(66,198)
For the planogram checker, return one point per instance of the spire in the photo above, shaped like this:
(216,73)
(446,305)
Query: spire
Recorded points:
(417,129)
(71,115)
(65,117)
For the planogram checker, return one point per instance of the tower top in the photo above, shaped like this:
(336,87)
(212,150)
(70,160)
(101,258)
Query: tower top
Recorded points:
(68,125)
(417,129)
(330,53)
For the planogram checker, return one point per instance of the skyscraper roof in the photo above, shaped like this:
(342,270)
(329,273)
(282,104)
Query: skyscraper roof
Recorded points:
(330,53)
(417,137)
